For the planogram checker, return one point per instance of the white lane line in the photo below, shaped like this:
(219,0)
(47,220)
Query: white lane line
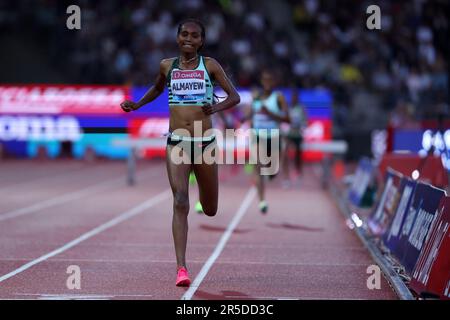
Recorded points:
(72,298)
(111,223)
(87,296)
(290,298)
(222,242)
(260,298)
(70,196)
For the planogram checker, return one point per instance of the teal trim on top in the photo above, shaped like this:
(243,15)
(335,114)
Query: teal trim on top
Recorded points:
(191,100)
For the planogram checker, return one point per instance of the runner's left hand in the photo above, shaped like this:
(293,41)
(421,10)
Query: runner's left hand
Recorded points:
(209,109)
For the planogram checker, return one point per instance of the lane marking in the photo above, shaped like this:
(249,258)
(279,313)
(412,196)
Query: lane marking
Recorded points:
(86,296)
(111,223)
(220,246)
(66,197)
(291,298)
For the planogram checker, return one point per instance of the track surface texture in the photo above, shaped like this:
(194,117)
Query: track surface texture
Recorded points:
(56,214)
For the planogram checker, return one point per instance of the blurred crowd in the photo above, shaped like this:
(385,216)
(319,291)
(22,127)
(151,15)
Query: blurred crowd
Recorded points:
(326,44)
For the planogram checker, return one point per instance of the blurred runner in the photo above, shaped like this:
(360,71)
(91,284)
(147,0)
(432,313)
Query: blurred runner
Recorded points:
(293,139)
(269,109)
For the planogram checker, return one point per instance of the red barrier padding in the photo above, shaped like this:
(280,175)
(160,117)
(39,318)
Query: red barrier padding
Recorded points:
(150,128)
(431,169)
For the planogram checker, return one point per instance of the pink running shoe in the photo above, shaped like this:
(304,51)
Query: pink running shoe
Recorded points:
(183,278)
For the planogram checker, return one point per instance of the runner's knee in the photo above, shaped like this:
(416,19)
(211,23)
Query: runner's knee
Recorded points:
(181,202)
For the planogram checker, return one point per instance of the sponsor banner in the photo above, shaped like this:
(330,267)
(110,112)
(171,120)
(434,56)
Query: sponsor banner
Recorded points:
(95,145)
(416,224)
(17,149)
(103,124)
(39,128)
(148,127)
(62,99)
(106,99)
(381,217)
(42,114)
(152,128)
(431,274)
(157,108)
(361,180)
(318,130)
(100,145)
(406,191)
(436,123)
(52,136)
(407,140)
(421,141)
(318,103)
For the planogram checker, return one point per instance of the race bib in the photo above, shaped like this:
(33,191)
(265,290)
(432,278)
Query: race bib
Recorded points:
(188,83)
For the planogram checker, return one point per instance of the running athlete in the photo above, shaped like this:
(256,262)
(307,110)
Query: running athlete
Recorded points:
(269,109)
(190,81)
(294,136)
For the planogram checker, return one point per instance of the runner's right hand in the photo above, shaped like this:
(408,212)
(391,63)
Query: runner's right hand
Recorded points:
(128,106)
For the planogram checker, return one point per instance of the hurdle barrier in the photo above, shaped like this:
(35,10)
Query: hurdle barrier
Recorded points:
(332,150)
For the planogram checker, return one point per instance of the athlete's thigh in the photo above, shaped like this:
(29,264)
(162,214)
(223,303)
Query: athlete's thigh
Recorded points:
(208,185)
(178,173)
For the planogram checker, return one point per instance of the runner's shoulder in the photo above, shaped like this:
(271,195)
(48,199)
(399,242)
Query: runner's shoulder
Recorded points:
(166,64)
(210,61)
(213,66)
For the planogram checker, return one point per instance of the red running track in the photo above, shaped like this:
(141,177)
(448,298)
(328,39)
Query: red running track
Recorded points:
(62,213)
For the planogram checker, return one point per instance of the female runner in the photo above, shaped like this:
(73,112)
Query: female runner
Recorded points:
(190,81)
(268,110)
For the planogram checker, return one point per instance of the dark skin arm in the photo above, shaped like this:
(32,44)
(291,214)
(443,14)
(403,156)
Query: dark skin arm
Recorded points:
(217,73)
(153,92)
(284,107)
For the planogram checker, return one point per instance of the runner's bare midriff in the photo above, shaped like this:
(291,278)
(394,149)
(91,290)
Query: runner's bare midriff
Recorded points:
(183,117)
